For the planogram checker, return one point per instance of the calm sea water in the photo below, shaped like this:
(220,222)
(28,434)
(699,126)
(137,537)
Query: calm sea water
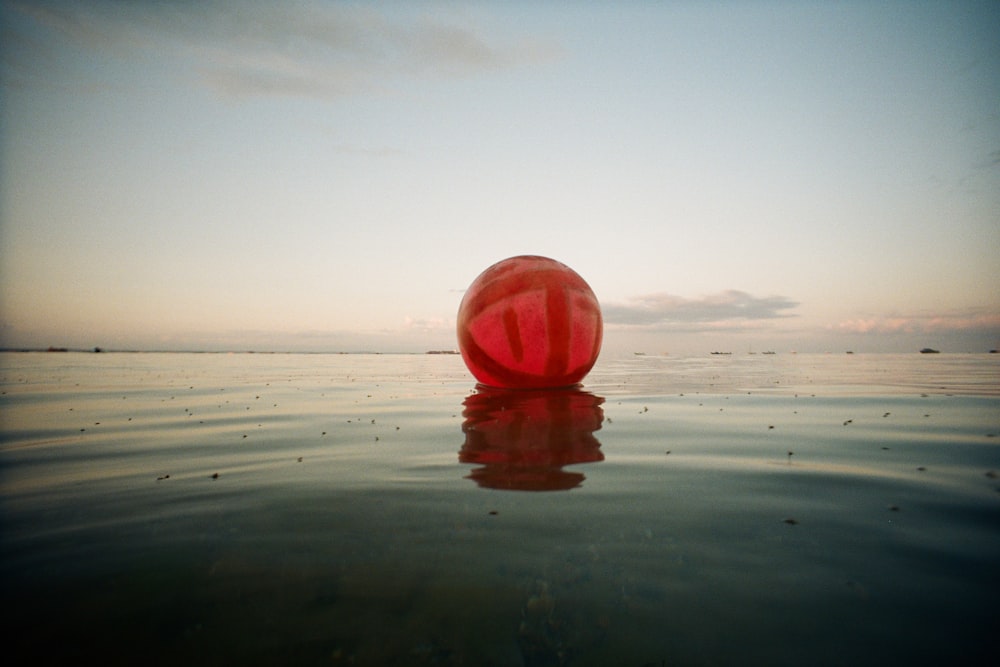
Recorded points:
(241,509)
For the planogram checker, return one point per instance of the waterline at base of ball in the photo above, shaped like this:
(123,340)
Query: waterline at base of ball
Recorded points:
(529,322)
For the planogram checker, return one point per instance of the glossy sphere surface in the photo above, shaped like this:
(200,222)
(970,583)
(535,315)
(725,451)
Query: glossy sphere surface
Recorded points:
(529,322)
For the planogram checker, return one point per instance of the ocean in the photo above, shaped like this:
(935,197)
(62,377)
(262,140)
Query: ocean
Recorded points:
(367,509)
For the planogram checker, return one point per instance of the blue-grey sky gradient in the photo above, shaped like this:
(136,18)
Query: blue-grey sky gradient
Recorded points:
(331,175)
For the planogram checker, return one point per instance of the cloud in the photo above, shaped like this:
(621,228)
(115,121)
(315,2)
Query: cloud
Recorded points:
(298,49)
(729,310)
(428,324)
(967,321)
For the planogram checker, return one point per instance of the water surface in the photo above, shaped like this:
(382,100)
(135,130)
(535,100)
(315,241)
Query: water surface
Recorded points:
(380,509)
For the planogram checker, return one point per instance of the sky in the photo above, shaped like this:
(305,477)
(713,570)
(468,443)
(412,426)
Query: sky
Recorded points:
(331,176)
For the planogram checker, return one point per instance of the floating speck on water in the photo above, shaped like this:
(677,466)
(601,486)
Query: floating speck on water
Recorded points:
(849,421)
(921,468)
(791,522)
(215,475)
(893,508)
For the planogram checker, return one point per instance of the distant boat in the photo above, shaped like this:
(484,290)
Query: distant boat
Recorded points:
(721,352)
(768,352)
(929,350)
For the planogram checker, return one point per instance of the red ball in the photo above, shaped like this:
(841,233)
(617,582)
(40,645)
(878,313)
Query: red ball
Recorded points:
(529,322)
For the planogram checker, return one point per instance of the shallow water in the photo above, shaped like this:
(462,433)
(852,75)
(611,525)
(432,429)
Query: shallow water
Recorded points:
(379,509)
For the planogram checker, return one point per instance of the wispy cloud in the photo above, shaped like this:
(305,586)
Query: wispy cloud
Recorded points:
(310,49)
(428,324)
(930,323)
(729,310)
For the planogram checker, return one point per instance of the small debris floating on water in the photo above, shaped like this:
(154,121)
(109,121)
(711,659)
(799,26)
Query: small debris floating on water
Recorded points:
(792,522)
(215,475)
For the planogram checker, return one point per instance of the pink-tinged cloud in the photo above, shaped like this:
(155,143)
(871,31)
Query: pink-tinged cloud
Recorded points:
(428,324)
(936,323)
